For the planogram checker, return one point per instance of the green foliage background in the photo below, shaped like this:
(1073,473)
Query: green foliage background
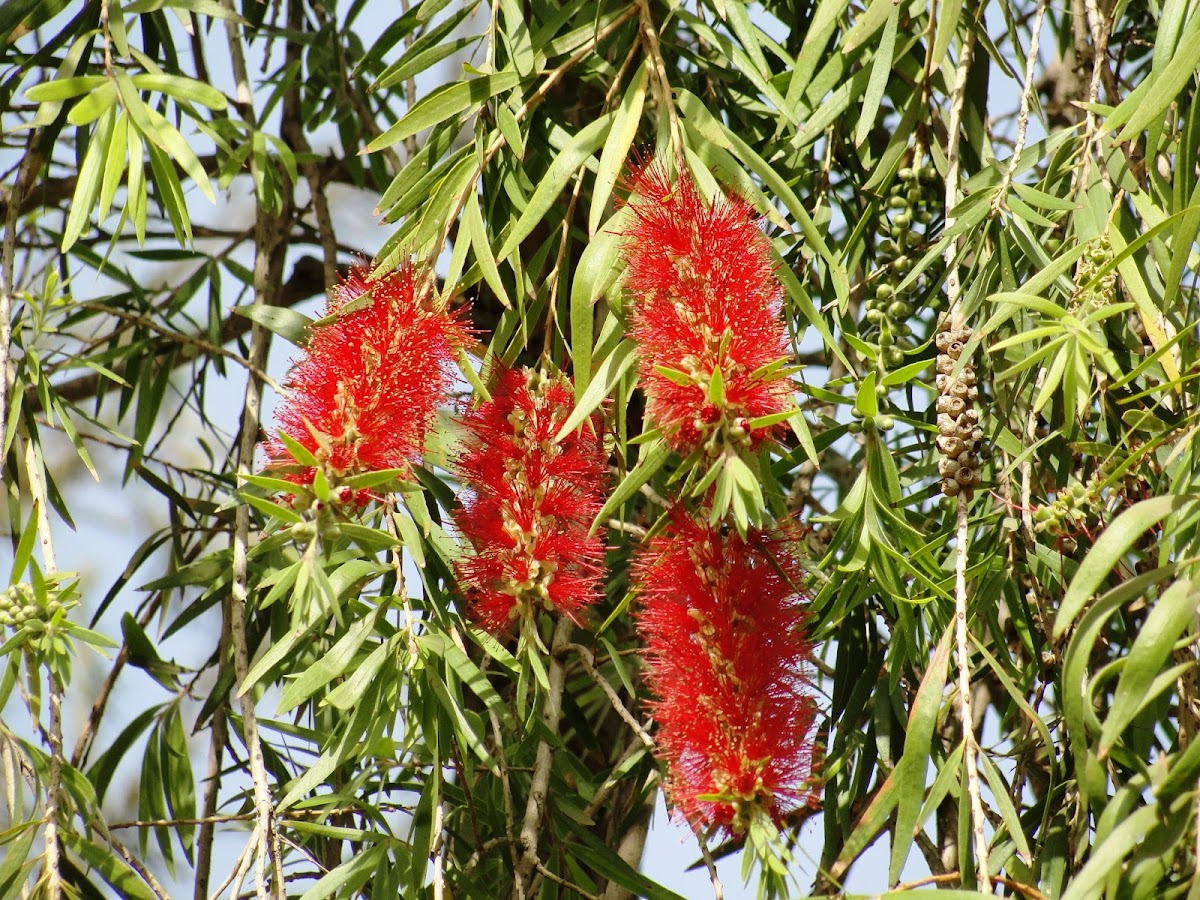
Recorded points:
(346,723)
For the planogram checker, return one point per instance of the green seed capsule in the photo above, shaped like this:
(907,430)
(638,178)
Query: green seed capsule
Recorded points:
(894,356)
(902,264)
(915,195)
(906,174)
(902,221)
(856,412)
(884,291)
(929,173)
(886,423)
(899,310)
(889,247)
(875,316)
(854,428)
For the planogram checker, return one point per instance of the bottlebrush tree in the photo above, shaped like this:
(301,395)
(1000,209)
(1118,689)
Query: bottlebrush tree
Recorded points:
(778,414)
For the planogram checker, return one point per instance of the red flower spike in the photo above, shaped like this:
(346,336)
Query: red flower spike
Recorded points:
(362,397)
(706,298)
(529,503)
(723,625)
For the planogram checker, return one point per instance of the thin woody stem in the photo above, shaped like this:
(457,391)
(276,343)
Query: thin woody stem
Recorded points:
(649,38)
(1035,42)
(588,661)
(267,237)
(539,786)
(962,532)
(711,865)
(54,735)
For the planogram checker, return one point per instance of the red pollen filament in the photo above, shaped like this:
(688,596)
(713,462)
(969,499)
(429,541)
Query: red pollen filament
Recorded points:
(723,624)
(529,503)
(706,300)
(362,397)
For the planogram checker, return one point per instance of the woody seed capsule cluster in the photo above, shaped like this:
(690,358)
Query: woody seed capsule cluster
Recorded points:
(959,433)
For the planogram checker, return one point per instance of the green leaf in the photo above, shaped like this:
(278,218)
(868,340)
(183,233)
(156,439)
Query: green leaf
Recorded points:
(419,58)
(469,673)
(114,870)
(442,103)
(178,779)
(1111,547)
(596,272)
(1169,616)
(350,691)
(866,401)
(601,858)
(1150,99)
(142,654)
(652,458)
(1110,854)
(349,876)
(881,69)
(607,376)
(577,151)
(472,219)
(87,188)
(910,772)
(94,105)
(615,154)
(64,88)
(187,89)
(281,320)
(329,665)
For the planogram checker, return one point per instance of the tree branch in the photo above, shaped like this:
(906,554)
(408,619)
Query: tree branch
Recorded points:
(535,807)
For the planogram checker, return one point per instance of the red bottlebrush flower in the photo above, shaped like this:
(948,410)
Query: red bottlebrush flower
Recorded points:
(363,395)
(529,503)
(706,298)
(723,624)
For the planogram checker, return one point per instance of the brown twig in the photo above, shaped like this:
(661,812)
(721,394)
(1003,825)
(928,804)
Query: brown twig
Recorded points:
(1035,42)
(649,38)
(539,785)
(268,260)
(588,660)
(956,877)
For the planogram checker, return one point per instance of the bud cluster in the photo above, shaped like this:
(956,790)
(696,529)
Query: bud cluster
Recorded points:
(910,207)
(1076,505)
(1099,254)
(959,434)
(20,608)
(722,619)
(529,502)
